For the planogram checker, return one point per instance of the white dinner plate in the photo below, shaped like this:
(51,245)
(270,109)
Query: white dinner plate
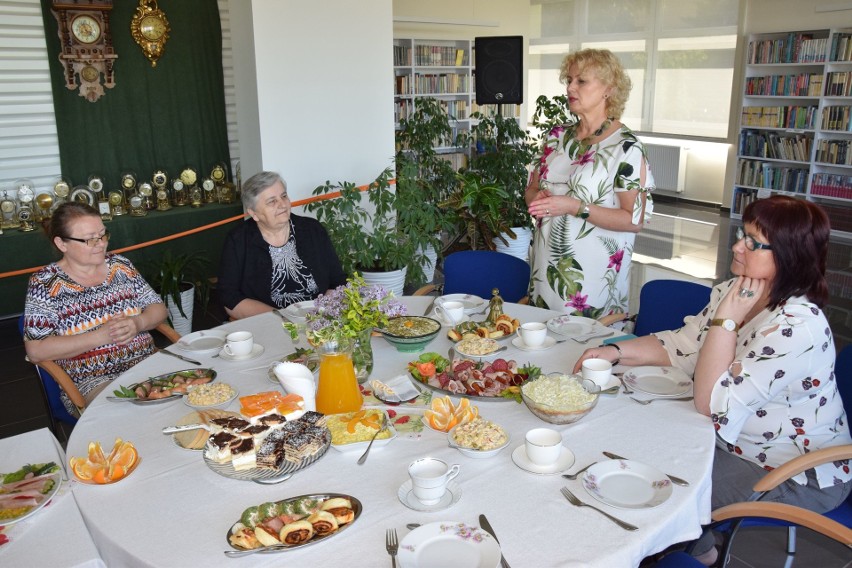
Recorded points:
(519,343)
(361,446)
(222,404)
(661,381)
(256,351)
(202,342)
(627,484)
(565,461)
(446,543)
(450,498)
(297,312)
(472,304)
(571,325)
(44,500)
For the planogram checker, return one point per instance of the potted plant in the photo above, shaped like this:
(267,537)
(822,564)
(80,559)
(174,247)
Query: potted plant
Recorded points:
(176,277)
(424,178)
(474,208)
(368,242)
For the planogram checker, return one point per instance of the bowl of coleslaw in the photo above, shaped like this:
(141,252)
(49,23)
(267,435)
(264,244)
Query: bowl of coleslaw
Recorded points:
(558,398)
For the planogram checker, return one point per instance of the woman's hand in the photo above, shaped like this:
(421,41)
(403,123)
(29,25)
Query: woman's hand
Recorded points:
(122,329)
(744,295)
(607,352)
(547,205)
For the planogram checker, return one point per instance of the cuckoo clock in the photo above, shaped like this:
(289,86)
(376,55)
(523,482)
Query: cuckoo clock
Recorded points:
(85,41)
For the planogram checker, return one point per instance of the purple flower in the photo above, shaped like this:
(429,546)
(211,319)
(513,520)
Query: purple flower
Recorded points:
(584,159)
(578,302)
(615,260)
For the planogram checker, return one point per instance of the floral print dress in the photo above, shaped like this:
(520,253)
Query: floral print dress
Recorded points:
(779,397)
(577,267)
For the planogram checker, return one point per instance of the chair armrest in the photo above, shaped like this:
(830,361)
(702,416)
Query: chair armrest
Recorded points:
(427,289)
(168,331)
(610,319)
(802,463)
(788,513)
(524,301)
(59,375)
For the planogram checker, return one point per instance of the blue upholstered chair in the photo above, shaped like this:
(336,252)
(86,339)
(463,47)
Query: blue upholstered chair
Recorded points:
(664,303)
(478,271)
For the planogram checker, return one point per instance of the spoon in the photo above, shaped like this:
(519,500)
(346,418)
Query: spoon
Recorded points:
(384,427)
(650,400)
(577,474)
(412,526)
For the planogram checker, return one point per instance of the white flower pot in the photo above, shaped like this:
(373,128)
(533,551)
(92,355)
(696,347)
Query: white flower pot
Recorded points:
(393,280)
(182,325)
(429,266)
(519,247)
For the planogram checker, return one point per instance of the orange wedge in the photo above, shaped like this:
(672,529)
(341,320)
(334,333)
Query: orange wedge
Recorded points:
(97,468)
(96,453)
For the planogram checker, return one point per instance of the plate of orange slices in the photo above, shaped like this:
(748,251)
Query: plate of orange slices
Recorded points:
(443,416)
(100,469)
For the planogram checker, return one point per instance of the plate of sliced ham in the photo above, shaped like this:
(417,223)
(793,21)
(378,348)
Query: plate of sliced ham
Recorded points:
(27,491)
(479,380)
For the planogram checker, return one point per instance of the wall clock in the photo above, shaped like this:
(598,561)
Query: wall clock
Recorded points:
(85,43)
(150,29)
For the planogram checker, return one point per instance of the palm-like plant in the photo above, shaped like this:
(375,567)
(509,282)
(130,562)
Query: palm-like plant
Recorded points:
(475,208)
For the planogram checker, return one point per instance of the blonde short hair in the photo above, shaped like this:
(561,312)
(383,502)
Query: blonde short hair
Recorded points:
(608,69)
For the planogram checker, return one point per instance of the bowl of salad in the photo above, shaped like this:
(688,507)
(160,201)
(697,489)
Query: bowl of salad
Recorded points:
(410,334)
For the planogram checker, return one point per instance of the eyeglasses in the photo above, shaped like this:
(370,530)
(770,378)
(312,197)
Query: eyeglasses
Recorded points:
(750,242)
(93,242)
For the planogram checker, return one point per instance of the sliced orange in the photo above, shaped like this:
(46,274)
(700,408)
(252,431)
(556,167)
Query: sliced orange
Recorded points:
(116,472)
(126,457)
(96,453)
(81,468)
(100,475)
(353,422)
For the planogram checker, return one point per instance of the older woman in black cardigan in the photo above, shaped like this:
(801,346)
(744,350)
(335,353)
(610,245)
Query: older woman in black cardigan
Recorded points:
(274,259)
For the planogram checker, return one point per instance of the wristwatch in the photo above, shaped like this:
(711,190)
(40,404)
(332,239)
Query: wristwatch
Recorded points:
(583,212)
(727,324)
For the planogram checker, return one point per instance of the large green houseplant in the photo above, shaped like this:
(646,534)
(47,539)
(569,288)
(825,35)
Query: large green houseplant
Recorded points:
(474,209)
(368,240)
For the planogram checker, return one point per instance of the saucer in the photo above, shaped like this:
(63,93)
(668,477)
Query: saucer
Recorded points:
(450,498)
(256,351)
(565,461)
(519,343)
(434,314)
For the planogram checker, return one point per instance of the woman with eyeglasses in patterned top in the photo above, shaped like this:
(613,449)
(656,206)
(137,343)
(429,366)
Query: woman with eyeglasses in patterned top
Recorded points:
(91,310)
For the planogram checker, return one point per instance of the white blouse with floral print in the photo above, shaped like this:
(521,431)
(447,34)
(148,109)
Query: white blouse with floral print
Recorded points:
(779,398)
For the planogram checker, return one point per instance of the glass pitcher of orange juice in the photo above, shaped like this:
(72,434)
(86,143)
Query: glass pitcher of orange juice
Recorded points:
(338,388)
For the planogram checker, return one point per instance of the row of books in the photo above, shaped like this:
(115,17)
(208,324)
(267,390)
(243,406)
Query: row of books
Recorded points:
(491,110)
(439,55)
(841,47)
(457,159)
(839,215)
(801,85)
(836,118)
(401,56)
(744,196)
(795,48)
(442,83)
(835,152)
(798,117)
(839,84)
(771,176)
(776,146)
(832,185)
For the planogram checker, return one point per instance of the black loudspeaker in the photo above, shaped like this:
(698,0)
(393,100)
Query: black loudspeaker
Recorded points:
(499,70)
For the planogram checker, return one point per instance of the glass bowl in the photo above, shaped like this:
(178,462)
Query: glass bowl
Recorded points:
(565,412)
(396,332)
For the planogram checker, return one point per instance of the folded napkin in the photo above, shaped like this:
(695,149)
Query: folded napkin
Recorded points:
(297,379)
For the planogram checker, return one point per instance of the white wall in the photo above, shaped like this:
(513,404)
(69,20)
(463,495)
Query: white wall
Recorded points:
(314,89)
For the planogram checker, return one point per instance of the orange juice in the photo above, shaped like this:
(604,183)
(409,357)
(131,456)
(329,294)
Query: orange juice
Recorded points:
(338,389)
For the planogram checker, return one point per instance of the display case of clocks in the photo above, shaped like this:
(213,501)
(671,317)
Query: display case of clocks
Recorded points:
(96,184)
(160,181)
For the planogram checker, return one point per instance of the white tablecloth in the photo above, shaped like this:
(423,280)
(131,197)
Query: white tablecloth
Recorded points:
(55,536)
(174,511)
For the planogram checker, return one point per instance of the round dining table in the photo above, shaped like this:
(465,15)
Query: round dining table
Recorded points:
(174,510)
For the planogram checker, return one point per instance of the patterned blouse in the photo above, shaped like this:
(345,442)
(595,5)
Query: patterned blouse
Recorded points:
(779,397)
(58,305)
(292,280)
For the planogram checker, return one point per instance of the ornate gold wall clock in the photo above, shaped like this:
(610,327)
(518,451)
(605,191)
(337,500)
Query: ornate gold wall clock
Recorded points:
(150,29)
(85,43)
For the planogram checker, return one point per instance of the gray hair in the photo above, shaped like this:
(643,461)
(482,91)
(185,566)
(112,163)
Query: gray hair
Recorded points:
(255,185)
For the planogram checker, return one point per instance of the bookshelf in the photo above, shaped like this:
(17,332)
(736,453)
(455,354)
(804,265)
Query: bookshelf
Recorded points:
(795,134)
(441,69)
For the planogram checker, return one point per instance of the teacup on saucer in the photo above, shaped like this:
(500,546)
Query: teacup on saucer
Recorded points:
(564,462)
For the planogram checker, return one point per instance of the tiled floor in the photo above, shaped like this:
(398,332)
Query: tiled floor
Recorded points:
(683,239)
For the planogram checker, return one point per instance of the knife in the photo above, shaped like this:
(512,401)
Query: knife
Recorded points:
(181,357)
(431,305)
(674,479)
(486,526)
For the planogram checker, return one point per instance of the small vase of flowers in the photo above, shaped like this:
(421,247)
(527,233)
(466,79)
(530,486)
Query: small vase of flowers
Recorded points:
(352,311)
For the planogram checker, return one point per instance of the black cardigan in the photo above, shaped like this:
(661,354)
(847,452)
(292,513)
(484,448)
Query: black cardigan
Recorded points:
(246,267)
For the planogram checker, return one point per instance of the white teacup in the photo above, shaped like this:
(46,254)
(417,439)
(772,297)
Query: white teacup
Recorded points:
(296,378)
(429,478)
(599,371)
(543,446)
(452,312)
(239,343)
(533,333)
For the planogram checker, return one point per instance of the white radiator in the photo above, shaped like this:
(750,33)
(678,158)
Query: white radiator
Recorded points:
(668,164)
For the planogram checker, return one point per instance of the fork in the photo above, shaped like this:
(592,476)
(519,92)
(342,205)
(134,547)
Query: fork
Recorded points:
(576,502)
(384,427)
(590,336)
(650,400)
(392,544)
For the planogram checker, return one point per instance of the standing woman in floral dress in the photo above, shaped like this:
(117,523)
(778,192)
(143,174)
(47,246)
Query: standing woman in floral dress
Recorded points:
(590,193)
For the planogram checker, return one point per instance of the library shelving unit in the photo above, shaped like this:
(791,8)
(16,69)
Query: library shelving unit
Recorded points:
(795,133)
(441,69)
